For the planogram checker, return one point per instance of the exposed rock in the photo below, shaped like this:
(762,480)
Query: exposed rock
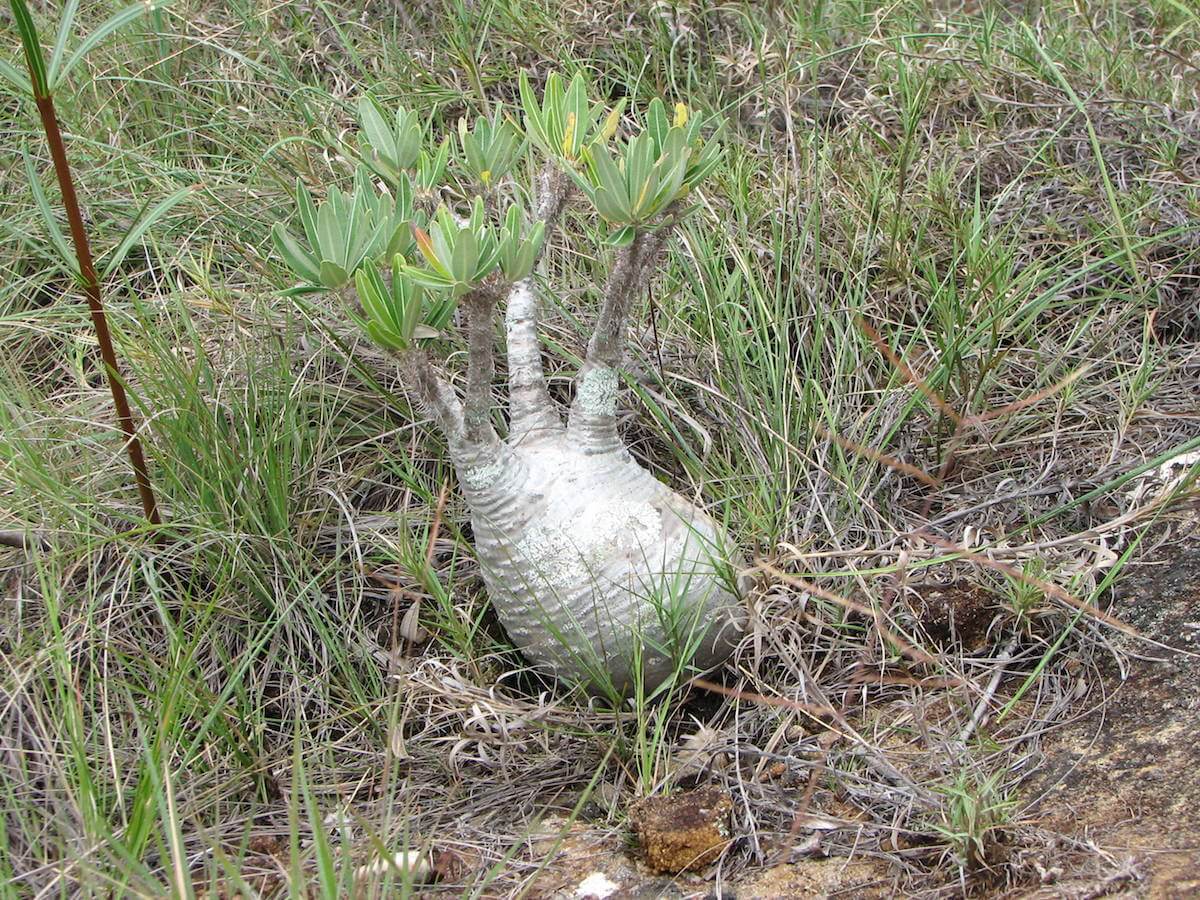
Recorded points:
(1124,778)
(818,878)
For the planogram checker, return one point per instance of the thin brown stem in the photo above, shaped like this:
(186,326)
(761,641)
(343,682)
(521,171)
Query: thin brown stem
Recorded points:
(91,285)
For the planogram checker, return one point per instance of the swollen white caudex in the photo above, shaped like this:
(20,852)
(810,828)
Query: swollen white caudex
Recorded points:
(598,571)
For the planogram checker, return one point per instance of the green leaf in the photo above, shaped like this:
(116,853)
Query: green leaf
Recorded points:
(433,280)
(140,227)
(297,258)
(333,276)
(623,237)
(387,320)
(110,25)
(465,256)
(535,126)
(489,257)
(329,232)
(612,206)
(424,332)
(425,245)
(369,288)
(439,312)
(33,49)
(657,124)
(400,242)
(668,184)
(639,163)
(430,169)
(575,107)
(65,253)
(15,77)
(65,26)
(308,212)
(378,134)
(552,113)
(709,159)
(352,227)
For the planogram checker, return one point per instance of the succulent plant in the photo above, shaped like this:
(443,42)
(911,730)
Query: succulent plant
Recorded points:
(600,573)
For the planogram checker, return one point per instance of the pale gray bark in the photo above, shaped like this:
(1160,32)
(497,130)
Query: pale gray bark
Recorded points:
(436,396)
(532,416)
(593,562)
(598,571)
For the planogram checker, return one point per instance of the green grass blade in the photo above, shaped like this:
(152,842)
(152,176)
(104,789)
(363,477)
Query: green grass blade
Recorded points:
(139,228)
(65,25)
(57,238)
(109,26)
(33,49)
(15,77)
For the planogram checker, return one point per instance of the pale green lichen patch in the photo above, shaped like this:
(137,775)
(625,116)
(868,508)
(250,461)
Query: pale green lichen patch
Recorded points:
(479,477)
(568,554)
(598,392)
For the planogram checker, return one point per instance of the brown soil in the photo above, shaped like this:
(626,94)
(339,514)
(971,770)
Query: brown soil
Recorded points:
(1127,776)
(1117,797)
(960,611)
(863,879)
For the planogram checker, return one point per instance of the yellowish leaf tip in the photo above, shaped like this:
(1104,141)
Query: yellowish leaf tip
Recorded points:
(568,135)
(610,125)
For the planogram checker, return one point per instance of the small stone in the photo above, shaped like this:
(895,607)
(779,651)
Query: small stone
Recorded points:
(596,886)
(683,832)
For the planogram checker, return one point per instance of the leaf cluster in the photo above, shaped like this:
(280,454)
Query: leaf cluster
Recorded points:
(410,266)
(347,229)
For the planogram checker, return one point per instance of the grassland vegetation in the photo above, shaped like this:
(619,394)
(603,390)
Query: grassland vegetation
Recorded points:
(926,350)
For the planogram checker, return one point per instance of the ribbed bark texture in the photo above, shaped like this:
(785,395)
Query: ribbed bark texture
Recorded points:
(599,572)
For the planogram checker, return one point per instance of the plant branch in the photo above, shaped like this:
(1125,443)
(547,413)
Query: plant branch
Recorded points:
(608,340)
(553,186)
(481,364)
(434,393)
(91,285)
(530,409)
(593,412)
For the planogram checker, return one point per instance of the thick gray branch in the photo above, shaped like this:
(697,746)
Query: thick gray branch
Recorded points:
(481,365)
(531,411)
(553,187)
(435,394)
(593,419)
